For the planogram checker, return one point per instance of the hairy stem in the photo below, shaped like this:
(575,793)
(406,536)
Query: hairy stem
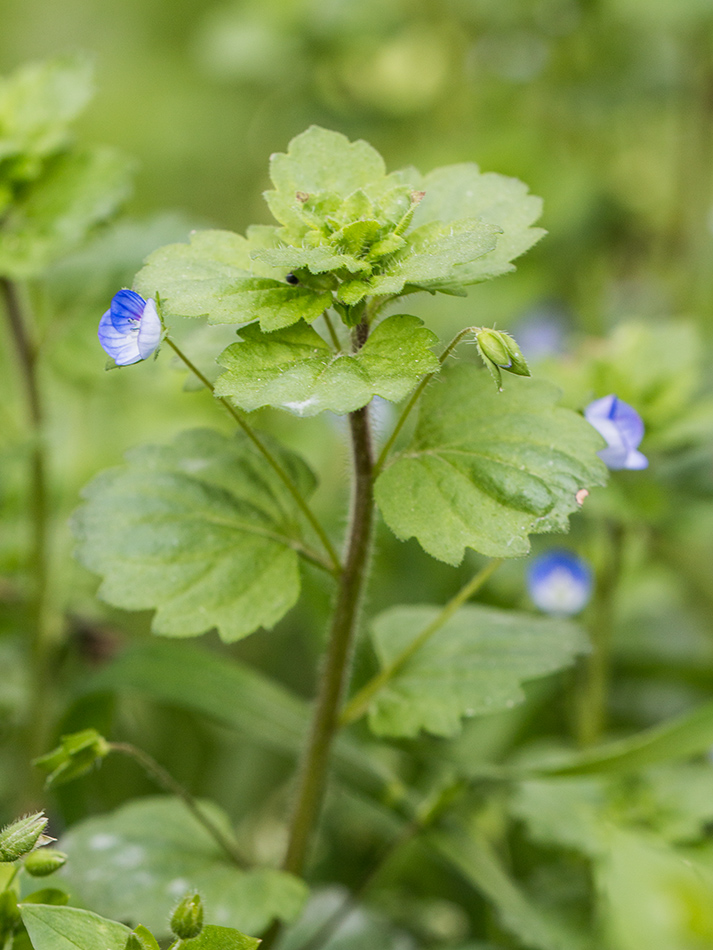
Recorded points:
(325,721)
(359,703)
(163,778)
(406,411)
(270,458)
(39,513)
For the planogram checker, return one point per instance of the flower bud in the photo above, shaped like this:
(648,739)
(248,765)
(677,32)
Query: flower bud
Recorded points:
(76,754)
(141,939)
(21,836)
(187,919)
(42,863)
(499,351)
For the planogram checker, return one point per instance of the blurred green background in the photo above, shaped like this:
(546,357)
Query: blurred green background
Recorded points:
(603,107)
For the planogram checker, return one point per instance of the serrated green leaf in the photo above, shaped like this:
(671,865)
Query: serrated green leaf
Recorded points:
(474,664)
(454,191)
(220,938)
(76,192)
(485,469)
(317,260)
(201,530)
(37,102)
(297,370)
(319,160)
(241,698)
(215,275)
(67,928)
(430,256)
(138,861)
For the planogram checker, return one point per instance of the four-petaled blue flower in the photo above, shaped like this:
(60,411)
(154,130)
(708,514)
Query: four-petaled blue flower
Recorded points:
(559,582)
(130,330)
(623,429)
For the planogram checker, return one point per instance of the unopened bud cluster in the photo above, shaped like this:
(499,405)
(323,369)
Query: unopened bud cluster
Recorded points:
(187,918)
(22,836)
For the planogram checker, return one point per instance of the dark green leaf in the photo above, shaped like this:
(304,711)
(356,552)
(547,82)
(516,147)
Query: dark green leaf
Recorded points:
(67,928)
(297,370)
(486,469)
(220,938)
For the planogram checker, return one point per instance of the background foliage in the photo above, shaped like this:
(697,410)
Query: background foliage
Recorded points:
(605,109)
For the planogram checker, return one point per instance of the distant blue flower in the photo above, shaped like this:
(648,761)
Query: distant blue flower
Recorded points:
(130,330)
(559,582)
(623,429)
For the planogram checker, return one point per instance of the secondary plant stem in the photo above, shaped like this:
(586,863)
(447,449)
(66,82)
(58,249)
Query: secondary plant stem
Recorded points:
(359,703)
(39,512)
(163,778)
(406,411)
(270,458)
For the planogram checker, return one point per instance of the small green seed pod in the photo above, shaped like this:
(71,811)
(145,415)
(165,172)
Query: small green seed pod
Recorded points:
(187,919)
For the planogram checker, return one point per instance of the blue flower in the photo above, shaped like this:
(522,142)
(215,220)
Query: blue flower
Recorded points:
(130,330)
(559,582)
(623,429)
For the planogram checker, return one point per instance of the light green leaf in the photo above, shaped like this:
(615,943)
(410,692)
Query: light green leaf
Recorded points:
(78,191)
(456,191)
(485,469)
(202,530)
(474,664)
(37,102)
(215,275)
(319,160)
(220,938)
(241,698)
(430,256)
(472,855)
(297,370)
(67,928)
(137,862)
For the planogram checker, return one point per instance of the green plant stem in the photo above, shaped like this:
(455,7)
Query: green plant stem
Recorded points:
(163,778)
(325,723)
(42,652)
(332,332)
(416,395)
(270,458)
(359,703)
(593,679)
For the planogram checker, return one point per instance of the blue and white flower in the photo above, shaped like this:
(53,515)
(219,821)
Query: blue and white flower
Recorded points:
(622,427)
(130,330)
(559,582)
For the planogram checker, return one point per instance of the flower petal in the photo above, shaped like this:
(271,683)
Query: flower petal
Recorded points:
(149,330)
(122,347)
(127,308)
(560,582)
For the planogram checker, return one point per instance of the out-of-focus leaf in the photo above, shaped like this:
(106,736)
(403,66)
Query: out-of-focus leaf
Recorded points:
(474,664)
(476,861)
(138,861)
(297,370)
(55,214)
(202,530)
(215,275)
(485,469)
(67,928)
(242,698)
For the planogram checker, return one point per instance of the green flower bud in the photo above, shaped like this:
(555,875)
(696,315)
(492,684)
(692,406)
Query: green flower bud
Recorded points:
(141,939)
(42,863)
(499,351)
(21,836)
(187,919)
(76,754)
